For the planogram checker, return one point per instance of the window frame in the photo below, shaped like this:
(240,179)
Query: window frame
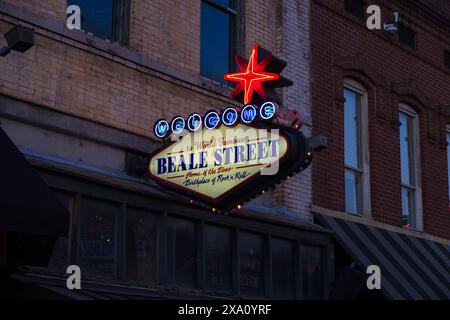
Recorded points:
(232,12)
(447,65)
(415,165)
(120,22)
(363,148)
(407,28)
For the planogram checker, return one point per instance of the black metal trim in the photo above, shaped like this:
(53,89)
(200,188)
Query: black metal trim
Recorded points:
(121,21)
(222,7)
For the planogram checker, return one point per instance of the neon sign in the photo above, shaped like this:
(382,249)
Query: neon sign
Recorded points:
(177,125)
(212,119)
(194,122)
(161,128)
(227,157)
(248,113)
(251,76)
(225,167)
(267,110)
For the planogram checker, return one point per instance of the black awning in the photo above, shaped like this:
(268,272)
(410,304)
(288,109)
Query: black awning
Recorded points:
(411,267)
(27,205)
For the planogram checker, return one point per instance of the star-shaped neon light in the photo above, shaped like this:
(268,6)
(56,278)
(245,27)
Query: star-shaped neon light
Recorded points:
(252,76)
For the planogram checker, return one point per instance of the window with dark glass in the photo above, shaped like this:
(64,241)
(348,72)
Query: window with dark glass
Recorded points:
(447,58)
(60,255)
(312,272)
(97,237)
(406,35)
(352,152)
(218,258)
(283,275)
(448,161)
(218,38)
(251,264)
(408,158)
(356,8)
(141,249)
(106,19)
(182,253)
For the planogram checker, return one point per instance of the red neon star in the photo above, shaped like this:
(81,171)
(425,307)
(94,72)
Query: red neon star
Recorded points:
(251,76)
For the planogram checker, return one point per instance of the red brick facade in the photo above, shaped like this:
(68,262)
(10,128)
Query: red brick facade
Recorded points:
(342,47)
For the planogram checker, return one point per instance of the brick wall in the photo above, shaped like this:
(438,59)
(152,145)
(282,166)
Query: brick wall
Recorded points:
(343,47)
(283,28)
(156,75)
(168,31)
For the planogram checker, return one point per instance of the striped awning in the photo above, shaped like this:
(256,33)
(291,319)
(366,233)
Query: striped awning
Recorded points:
(411,267)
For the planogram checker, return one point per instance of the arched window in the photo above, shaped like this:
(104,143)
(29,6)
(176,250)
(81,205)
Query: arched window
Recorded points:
(356,149)
(410,167)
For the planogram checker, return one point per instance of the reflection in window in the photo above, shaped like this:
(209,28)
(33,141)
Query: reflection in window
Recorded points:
(312,272)
(96,16)
(141,246)
(352,152)
(218,258)
(181,255)
(406,35)
(448,161)
(408,169)
(217,38)
(60,256)
(283,277)
(105,19)
(97,237)
(251,264)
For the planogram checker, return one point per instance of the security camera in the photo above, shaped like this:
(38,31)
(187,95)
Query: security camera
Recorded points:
(392,26)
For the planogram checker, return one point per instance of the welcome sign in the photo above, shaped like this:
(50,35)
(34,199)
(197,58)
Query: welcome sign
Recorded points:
(226,157)
(212,163)
(227,166)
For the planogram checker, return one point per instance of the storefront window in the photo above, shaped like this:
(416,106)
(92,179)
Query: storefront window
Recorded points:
(140,236)
(218,258)
(312,272)
(181,254)
(60,256)
(283,277)
(97,238)
(251,264)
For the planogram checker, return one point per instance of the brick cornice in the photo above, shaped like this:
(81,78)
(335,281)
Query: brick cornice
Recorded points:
(358,63)
(409,92)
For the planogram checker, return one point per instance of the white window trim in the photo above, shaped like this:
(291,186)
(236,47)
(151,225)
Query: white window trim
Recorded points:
(404,108)
(365,159)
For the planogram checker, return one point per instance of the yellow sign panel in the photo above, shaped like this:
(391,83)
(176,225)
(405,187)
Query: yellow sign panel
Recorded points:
(212,162)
